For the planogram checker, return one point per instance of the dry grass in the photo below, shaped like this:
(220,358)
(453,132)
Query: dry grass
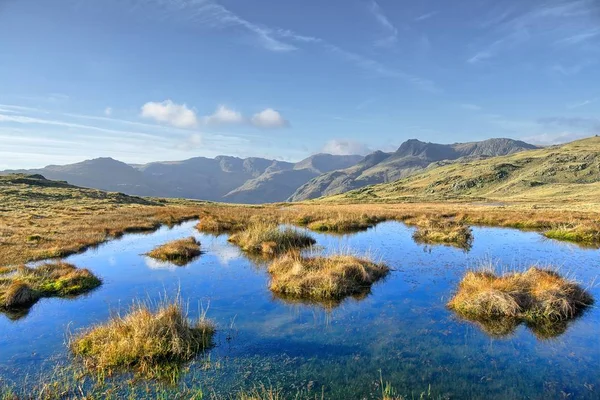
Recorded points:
(178,252)
(212,224)
(443,231)
(324,278)
(152,343)
(49,219)
(270,239)
(21,287)
(538,297)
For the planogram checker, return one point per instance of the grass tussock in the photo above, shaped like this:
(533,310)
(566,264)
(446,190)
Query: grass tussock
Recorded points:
(151,343)
(270,239)
(178,252)
(21,287)
(540,298)
(324,278)
(439,231)
(341,223)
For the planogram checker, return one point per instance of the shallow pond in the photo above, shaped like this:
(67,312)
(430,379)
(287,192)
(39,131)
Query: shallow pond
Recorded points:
(402,329)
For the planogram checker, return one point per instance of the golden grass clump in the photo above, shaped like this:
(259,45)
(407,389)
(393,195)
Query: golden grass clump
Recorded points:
(537,297)
(270,239)
(178,252)
(324,278)
(341,223)
(437,231)
(23,286)
(153,344)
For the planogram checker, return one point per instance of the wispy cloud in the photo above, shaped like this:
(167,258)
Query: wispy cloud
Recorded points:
(390,30)
(583,103)
(426,16)
(568,22)
(215,15)
(210,13)
(579,38)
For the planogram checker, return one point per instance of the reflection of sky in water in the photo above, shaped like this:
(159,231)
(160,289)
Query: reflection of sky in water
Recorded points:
(402,328)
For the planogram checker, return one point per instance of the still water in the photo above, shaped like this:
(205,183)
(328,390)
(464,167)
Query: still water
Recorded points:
(402,329)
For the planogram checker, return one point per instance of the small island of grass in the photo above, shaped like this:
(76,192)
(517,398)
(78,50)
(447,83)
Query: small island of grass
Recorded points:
(151,343)
(443,232)
(540,298)
(270,239)
(178,252)
(21,287)
(324,278)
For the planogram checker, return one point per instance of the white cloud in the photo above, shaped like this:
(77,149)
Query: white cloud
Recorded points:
(168,112)
(192,142)
(269,118)
(108,111)
(345,147)
(224,115)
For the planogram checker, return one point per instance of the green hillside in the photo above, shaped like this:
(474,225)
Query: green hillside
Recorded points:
(569,172)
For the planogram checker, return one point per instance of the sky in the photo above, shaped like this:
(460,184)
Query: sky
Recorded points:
(155,80)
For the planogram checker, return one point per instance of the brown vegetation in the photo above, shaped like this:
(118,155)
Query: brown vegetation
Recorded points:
(152,343)
(443,231)
(324,278)
(21,287)
(270,239)
(44,221)
(541,298)
(178,252)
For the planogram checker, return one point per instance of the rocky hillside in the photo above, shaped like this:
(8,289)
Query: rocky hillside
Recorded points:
(413,156)
(569,172)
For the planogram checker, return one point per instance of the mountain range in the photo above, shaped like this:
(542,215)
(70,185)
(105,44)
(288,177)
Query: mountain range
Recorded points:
(561,173)
(258,180)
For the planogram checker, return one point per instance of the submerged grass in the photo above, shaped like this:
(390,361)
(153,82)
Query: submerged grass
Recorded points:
(324,278)
(540,298)
(179,252)
(21,287)
(154,344)
(270,239)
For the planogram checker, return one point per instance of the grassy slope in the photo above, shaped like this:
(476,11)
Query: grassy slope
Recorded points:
(41,218)
(558,173)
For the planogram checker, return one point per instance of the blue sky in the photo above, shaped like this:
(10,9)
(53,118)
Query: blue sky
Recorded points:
(146,80)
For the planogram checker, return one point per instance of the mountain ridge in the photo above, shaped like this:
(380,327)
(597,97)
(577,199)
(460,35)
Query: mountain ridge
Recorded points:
(411,157)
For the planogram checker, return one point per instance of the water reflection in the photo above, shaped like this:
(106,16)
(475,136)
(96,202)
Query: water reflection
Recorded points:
(400,326)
